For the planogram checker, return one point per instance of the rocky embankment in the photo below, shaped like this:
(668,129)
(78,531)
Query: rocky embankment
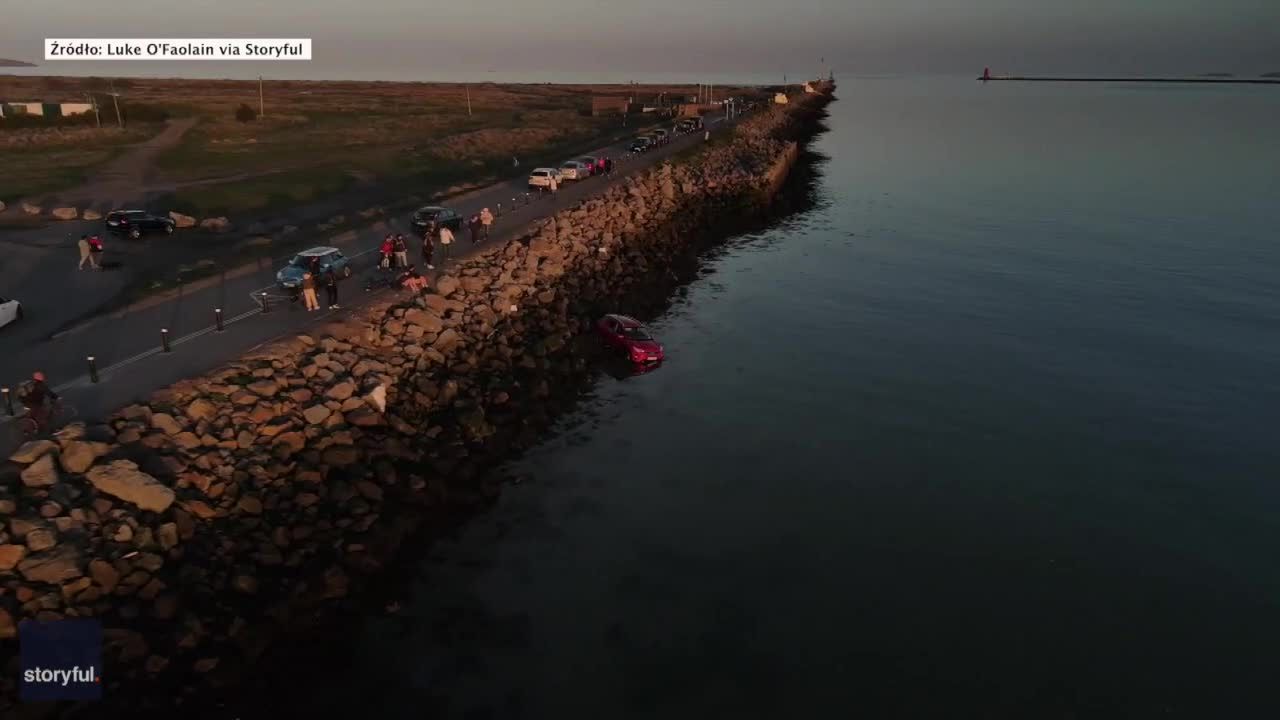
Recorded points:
(232,505)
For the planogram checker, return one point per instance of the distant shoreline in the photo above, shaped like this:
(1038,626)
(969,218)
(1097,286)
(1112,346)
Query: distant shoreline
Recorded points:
(5,62)
(1199,80)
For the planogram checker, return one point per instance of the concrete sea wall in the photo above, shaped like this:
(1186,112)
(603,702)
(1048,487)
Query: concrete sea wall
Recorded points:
(228,506)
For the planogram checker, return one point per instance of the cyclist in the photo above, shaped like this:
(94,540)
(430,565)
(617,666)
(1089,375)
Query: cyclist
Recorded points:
(37,398)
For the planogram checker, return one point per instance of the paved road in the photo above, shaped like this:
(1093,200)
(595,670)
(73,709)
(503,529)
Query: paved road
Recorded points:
(127,349)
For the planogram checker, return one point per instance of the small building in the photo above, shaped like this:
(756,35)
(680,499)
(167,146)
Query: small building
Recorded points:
(49,110)
(609,105)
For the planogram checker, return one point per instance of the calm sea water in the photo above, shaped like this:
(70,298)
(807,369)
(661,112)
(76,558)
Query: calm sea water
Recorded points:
(990,431)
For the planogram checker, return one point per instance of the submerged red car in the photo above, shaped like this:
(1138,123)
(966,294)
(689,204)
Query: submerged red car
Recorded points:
(629,336)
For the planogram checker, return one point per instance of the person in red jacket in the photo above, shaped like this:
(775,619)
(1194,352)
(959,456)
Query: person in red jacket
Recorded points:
(388,247)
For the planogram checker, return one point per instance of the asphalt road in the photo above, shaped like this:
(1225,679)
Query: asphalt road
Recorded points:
(127,348)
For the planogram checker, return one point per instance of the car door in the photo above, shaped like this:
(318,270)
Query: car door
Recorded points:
(8,310)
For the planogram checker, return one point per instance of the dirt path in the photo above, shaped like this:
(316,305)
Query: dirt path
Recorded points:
(124,179)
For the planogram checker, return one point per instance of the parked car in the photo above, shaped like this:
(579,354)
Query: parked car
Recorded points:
(690,124)
(542,177)
(290,276)
(640,144)
(574,170)
(10,311)
(594,165)
(425,217)
(661,137)
(629,337)
(136,223)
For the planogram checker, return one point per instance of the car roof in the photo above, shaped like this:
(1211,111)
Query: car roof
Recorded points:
(432,208)
(626,320)
(318,251)
(543,169)
(127,212)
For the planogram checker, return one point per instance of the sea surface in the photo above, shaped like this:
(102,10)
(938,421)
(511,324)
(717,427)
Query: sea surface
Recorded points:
(991,428)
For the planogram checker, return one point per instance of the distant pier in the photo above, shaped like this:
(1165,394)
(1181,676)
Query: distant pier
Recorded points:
(988,77)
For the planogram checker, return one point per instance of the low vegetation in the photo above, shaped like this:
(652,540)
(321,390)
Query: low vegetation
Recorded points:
(312,139)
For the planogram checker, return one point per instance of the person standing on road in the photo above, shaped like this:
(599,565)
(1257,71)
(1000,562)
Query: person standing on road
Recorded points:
(608,165)
(402,251)
(473,226)
(428,249)
(486,219)
(552,186)
(309,292)
(331,288)
(85,255)
(706,135)
(446,239)
(386,250)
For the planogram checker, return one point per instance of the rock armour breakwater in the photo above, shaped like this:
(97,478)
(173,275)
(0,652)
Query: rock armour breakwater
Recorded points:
(229,506)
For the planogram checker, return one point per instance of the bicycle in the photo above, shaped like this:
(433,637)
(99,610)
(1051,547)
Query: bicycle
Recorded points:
(32,427)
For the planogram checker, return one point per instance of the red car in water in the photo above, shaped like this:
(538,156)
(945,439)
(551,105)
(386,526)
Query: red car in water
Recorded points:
(629,337)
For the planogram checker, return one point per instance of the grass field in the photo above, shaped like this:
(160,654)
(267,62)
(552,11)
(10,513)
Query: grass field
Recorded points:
(315,138)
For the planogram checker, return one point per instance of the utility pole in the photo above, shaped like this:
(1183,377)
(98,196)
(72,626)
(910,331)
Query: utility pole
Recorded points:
(261,108)
(94,101)
(468,101)
(115,100)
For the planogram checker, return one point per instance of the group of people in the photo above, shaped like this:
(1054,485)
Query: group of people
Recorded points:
(90,252)
(315,275)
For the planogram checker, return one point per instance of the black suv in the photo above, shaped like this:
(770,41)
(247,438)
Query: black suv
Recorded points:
(437,217)
(135,223)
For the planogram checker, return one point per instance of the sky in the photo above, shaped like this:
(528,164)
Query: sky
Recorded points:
(726,39)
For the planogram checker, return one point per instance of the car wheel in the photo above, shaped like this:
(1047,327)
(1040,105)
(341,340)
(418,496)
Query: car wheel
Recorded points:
(168,228)
(346,271)
(135,233)
(18,315)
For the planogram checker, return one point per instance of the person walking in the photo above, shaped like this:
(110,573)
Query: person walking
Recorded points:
(95,252)
(309,292)
(486,219)
(85,255)
(401,251)
(331,288)
(446,239)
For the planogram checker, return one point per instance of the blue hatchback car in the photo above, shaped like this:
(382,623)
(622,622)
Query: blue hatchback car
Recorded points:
(323,258)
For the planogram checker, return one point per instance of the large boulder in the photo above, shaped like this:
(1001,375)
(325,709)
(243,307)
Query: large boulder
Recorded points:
(182,221)
(446,285)
(91,215)
(41,473)
(123,479)
(215,224)
(78,455)
(316,414)
(30,209)
(428,321)
(53,566)
(32,451)
(65,213)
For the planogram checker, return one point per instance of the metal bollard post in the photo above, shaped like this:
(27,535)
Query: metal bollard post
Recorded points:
(526,198)
(499,214)
(164,340)
(93,369)
(217,319)
(8,401)
(263,298)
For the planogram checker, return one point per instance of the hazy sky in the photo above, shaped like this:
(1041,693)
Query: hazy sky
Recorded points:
(400,38)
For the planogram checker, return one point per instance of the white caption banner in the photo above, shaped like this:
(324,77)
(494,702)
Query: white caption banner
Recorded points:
(177,48)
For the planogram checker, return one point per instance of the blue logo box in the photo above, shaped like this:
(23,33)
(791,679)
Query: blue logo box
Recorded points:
(61,660)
